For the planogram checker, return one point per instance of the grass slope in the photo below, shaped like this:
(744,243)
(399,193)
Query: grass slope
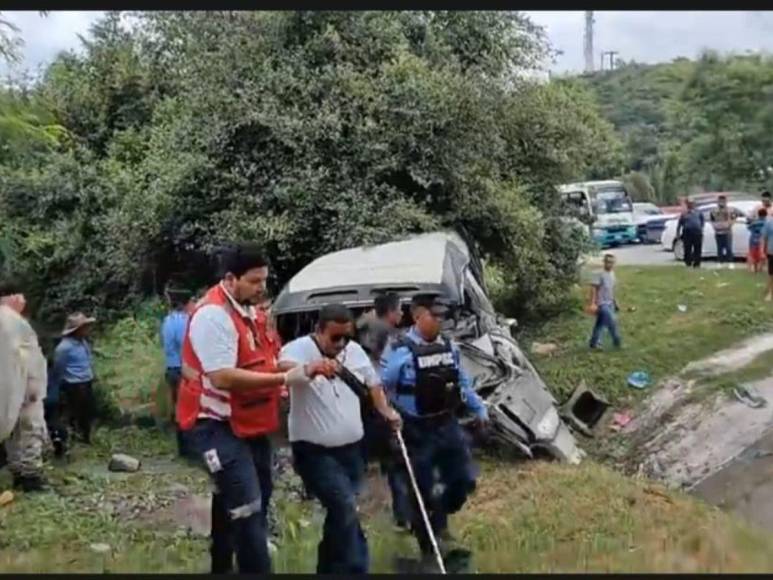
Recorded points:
(527,517)
(723,307)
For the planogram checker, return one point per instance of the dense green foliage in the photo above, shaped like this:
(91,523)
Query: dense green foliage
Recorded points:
(692,126)
(305,131)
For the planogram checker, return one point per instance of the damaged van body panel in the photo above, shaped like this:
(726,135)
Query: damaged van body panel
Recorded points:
(523,413)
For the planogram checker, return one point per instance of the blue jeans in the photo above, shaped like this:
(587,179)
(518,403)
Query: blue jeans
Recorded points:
(334,476)
(724,247)
(238,468)
(605,318)
(443,446)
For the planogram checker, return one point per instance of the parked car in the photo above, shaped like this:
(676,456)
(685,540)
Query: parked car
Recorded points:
(643,213)
(523,412)
(740,231)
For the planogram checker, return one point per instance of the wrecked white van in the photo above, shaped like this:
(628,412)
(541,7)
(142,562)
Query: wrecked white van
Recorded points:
(523,412)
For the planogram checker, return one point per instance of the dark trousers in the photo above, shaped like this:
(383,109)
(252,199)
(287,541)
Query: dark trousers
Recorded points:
(400,487)
(693,247)
(724,247)
(80,407)
(334,475)
(57,430)
(441,446)
(173,377)
(239,468)
(605,318)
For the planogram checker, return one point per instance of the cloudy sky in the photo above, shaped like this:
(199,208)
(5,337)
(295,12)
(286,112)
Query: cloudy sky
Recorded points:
(640,36)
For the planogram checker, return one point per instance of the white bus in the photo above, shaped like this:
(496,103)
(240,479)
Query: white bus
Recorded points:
(606,205)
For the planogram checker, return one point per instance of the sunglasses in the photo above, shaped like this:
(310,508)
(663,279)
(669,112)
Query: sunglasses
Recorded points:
(336,338)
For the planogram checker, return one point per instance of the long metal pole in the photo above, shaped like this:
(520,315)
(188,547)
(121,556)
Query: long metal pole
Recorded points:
(420,501)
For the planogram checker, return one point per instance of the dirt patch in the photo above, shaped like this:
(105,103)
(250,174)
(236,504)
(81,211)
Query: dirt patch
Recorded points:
(734,358)
(191,513)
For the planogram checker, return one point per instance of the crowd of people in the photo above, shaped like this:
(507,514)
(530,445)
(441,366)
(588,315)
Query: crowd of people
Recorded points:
(229,376)
(691,227)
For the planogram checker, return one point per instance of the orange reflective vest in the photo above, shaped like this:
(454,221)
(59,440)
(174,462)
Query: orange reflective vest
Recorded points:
(251,412)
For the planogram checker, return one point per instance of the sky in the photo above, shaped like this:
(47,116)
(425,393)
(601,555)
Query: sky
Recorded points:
(641,36)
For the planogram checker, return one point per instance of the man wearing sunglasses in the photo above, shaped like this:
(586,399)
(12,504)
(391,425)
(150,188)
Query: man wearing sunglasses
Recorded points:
(326,431)
(426,383)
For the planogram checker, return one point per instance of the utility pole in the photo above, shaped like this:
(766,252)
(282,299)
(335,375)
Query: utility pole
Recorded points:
(612,60)
(589,41)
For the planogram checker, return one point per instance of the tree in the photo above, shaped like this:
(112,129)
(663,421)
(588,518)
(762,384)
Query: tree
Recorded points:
(307,132)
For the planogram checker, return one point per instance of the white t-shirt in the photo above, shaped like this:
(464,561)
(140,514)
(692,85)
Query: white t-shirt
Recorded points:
(325,411)
(215,341)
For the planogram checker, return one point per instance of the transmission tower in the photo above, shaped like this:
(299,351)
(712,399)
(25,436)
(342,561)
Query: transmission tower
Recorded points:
(589,41)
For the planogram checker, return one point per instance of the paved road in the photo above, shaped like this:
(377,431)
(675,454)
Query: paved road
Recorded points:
(649,255)
(643,255)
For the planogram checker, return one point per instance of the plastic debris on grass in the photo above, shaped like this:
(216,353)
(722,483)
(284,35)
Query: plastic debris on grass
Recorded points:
(639,380)
(621,420)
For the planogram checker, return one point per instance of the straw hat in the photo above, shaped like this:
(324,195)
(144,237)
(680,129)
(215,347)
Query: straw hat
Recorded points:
(76,321)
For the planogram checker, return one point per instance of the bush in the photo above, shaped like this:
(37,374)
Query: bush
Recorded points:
(129,364)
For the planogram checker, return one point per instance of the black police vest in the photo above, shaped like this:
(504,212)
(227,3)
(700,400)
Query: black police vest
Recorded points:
(437,378)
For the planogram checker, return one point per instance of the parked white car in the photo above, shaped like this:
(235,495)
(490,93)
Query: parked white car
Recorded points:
(740,231)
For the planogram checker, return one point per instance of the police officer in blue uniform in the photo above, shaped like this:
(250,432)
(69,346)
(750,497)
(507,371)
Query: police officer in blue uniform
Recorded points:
(427,385)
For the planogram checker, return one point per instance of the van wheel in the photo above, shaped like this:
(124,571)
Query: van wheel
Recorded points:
(679,250)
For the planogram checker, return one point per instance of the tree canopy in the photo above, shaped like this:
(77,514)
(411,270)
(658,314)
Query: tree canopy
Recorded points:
(689,126)
(305,131)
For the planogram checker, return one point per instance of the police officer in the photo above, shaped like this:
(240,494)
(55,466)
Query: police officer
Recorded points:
(427,385)
(228,401)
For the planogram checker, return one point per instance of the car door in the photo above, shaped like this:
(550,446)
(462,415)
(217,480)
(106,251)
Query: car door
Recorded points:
(709,242)
(740,234)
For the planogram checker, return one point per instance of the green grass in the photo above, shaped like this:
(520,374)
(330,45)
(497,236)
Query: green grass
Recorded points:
(759,368)
(723,307)
(527,517)
(524,517)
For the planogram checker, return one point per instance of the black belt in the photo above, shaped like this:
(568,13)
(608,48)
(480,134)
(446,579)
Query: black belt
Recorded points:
(428,420)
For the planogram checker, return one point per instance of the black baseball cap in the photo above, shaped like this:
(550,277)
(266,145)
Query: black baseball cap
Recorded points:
(433,302)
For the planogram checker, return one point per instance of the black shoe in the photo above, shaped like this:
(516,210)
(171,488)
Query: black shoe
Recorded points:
(30,483)
(59,448)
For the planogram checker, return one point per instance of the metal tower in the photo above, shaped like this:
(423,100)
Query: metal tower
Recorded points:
(589,41)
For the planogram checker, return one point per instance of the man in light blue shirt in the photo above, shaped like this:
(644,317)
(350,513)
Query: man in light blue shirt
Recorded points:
(73,373)
(172,335)
(426,383)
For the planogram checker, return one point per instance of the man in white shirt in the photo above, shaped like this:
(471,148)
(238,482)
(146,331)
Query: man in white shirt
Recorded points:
(325,429)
